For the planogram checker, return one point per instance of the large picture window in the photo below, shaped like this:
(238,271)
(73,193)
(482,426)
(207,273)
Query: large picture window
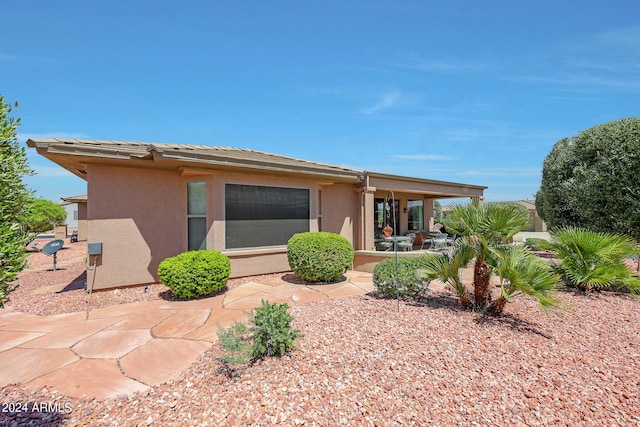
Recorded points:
(264,216)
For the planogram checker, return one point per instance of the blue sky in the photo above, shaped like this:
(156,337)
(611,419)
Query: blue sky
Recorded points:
(465,91)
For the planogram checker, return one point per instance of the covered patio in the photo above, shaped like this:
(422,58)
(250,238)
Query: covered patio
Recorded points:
(406,205)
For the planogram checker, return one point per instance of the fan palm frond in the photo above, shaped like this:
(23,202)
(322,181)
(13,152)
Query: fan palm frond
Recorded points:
(592,260)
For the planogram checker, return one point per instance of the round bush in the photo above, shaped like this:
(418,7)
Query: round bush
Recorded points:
(319,256)
(384,276)
(195,273)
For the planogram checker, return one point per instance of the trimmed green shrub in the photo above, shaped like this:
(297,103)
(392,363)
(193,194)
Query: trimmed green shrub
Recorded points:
(270,335)
(537,244)
(384,276)
(195,274)
(319,256)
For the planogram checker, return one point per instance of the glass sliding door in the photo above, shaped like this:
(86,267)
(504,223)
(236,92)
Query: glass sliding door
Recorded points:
(383,215)
(415,212)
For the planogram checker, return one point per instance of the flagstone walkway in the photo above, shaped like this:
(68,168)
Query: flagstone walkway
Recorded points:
(131,347)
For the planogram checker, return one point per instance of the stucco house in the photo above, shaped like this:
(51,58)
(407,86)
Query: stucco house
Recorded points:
(150,201)
(76,207)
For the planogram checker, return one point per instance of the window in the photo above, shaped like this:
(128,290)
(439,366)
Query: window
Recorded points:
(383,215)
(416,214)
(75,215)
(264,216)
(197,215)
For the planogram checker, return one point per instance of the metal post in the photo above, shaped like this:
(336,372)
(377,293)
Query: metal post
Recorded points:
(395,246)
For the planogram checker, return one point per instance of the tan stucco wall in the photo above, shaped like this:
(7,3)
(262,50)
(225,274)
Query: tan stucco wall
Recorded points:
(340,210)
(82,221)
(138,216)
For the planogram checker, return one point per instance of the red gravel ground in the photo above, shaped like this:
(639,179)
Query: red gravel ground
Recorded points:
(363,362)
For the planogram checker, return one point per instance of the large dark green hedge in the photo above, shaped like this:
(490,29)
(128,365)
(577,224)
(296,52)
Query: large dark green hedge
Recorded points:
(195,273)
(591,180)
(319,256)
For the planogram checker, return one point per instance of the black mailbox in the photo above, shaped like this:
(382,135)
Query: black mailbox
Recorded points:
(94,248)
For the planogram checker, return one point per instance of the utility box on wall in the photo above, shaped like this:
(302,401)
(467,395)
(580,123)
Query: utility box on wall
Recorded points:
(94,248)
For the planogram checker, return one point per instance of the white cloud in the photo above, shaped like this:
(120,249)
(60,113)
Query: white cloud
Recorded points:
(415,62)
(512,172)
(385,102)
(422,157)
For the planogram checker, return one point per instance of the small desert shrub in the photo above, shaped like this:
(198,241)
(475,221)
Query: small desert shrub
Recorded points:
(269,335)
(384,276)
(536,244)
(319,256)
(272,333)
(195,273)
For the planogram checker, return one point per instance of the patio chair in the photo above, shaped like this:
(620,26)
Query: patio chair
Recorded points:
(407,245)
(384,245)
(438,242)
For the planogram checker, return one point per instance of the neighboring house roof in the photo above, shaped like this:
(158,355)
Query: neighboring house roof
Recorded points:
(529,204)
(75,154)
(82,198)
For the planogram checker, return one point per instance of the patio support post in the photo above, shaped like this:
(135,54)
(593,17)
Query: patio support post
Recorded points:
(367,207)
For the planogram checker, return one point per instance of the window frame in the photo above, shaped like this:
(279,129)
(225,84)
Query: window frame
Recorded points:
(203,245)
(240,246)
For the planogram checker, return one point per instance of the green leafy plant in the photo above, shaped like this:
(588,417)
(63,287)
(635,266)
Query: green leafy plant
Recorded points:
(485,227)
(237,343)
(271,332)
(195,273)
(319,256)
(270,335)
(447,266)
(537,244)
(44,215)
(407,283)
(590,180)
(595,260)
(15,199)
(521,272)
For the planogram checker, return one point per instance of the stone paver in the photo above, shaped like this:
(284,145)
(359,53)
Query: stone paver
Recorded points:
(47,323)
(96,378)
(125,309)
(254,300)
(161,360)
(209,331)
(9,317)
(10,339)
(181,323)
(112,343)
(25,364)
(144,320)
(69,335)
(126,348)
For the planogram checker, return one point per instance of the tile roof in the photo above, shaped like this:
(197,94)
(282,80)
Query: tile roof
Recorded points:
(204,154)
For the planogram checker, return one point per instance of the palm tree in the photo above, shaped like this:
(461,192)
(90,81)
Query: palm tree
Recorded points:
(486,228)
(593,261)
(447,268)
(521,272)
